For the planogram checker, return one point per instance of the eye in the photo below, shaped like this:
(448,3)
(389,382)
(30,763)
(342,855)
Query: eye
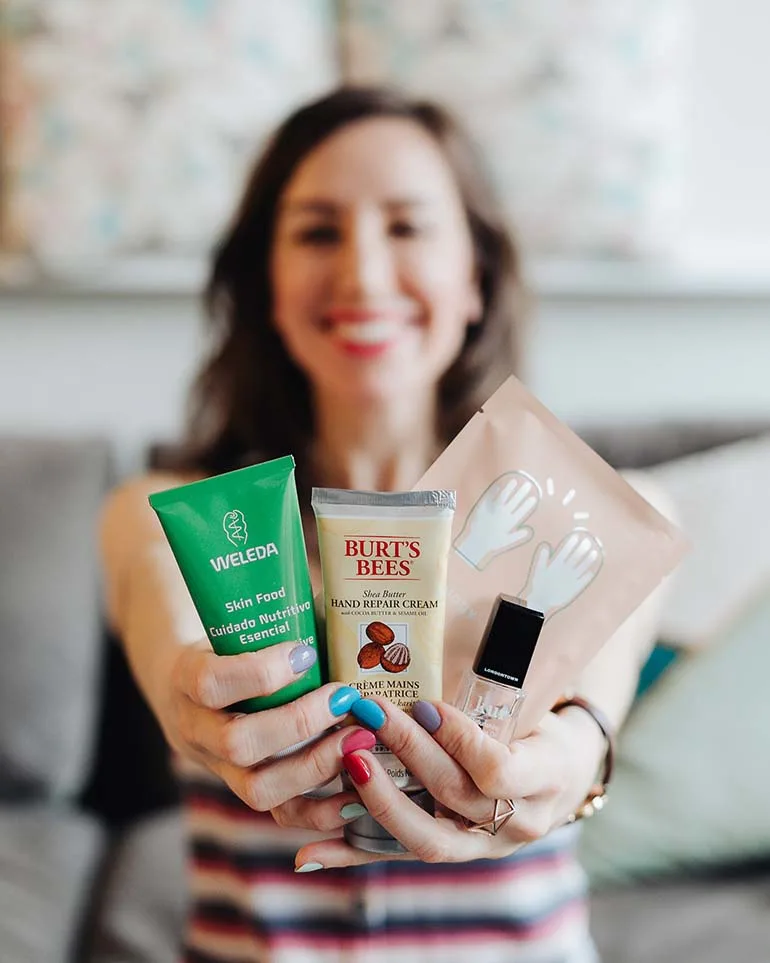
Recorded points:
(404,228)
(318,235)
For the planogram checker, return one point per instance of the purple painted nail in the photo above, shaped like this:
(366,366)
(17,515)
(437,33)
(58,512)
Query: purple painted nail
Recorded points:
(301,658)
(427,715)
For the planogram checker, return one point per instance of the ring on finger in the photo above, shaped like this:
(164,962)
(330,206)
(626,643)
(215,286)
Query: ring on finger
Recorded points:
(505,809)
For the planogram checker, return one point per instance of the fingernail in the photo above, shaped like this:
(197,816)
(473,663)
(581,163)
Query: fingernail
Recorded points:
(360,739)
(342,699)
(353,811)
(301,658)
(308,867)
(427,715)
(369,713)
(357,769)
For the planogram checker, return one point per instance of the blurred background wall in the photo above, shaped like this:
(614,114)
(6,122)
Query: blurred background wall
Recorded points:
(684,334)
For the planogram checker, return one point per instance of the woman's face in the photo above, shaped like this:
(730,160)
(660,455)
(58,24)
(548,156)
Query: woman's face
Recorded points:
(372,265)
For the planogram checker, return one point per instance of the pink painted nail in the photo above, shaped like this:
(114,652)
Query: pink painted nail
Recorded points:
(360,739)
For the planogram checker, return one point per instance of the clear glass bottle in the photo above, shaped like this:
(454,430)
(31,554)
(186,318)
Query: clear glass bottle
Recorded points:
(491,692)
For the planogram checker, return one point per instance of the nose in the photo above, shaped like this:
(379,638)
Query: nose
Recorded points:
(366,267)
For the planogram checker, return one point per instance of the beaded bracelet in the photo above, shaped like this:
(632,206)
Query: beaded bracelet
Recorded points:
(597,795)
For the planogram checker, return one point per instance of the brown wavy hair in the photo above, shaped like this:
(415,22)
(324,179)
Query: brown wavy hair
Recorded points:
(250,401)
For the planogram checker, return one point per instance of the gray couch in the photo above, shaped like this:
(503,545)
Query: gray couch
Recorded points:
(91,852)
(85,794)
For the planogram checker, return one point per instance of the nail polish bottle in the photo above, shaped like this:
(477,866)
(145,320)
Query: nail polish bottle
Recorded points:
(491,692)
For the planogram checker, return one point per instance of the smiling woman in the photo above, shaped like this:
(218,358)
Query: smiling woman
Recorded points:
(366,301)
(369,237)
(363,275)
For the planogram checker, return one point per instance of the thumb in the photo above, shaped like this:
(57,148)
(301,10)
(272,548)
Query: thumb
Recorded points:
(542,557)
(521,535)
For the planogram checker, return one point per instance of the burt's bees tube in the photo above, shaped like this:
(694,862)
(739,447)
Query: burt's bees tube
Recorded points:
(384,564)
(238,541)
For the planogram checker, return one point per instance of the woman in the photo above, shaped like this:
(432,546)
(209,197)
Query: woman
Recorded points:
(366,299)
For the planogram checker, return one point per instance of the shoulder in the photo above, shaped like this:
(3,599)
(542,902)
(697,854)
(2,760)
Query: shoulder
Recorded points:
(126,518)
(131,496)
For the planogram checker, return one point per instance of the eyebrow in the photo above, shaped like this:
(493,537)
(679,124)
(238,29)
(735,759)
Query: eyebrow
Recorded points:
(317,205)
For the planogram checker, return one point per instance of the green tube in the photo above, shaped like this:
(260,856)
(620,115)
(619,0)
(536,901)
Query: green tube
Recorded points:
(238,541)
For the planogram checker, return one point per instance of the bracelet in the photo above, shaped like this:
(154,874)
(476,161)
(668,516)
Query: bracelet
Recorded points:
(597,795)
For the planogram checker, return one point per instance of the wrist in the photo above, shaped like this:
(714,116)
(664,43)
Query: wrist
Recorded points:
(603,730)
(588,738)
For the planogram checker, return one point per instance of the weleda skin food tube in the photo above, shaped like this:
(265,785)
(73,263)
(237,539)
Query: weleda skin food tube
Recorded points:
(238,541)
(384,564)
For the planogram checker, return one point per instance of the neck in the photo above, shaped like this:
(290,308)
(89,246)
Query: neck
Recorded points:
(374,446)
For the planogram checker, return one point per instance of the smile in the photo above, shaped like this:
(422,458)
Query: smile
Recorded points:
(369,333)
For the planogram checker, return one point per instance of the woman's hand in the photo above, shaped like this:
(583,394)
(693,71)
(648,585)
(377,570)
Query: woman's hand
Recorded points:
(239,748)
(547,775)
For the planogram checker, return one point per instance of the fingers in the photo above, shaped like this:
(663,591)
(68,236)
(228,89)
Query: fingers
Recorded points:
(244,740)
(274,783)
(541,558)
(465,771)
(217,681)
(520,497)
(426,838)
(498,771)
(323,816)
(443,776)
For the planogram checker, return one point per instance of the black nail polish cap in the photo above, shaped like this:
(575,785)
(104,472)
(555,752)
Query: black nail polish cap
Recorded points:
(508,643)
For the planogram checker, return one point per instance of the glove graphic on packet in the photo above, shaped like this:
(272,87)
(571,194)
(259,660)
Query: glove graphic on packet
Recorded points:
(517,470)
(557,576)
(495,524)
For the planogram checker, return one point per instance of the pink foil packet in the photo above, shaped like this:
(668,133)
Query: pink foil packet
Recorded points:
(540,516)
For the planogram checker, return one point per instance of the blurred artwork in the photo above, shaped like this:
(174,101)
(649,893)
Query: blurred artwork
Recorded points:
(576,104)
(128,124)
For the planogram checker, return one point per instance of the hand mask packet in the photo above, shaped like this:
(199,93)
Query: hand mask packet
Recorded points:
(541,517)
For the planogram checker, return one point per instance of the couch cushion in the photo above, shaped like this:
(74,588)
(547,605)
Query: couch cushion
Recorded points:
(721,498)
(48,859)
(706,921)
(142,912)
(692,781)
(50,492)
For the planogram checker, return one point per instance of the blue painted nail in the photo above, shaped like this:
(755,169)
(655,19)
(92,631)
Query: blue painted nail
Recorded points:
(301,658)
(427,715)
(342,699)
(369,713)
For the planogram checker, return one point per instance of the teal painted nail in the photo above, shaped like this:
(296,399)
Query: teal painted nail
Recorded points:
(342,699)
(353,811)
(369,713)
(308,868)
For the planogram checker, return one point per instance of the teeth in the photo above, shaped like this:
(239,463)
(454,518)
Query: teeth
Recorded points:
(371,332)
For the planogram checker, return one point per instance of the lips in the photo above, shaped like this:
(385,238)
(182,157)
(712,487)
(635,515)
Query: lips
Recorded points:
(366,332)
(369,332)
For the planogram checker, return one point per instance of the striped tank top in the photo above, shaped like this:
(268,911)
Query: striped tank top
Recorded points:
(249,906)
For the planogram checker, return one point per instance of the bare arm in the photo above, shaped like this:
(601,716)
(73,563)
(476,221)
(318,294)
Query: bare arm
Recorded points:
(147,601)
(610,679)
(189,687)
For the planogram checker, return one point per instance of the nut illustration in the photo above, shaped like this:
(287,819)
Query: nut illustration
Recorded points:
(380,632)
(395,658)
(369,655)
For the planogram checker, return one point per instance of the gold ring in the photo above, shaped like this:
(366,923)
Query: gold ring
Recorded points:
(491,827)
